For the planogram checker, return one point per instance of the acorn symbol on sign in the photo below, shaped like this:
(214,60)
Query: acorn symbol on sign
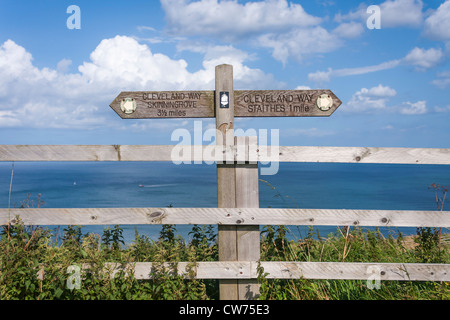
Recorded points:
(324,102)
(128,105)
(224,100)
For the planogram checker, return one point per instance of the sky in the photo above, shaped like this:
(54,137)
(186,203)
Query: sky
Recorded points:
(389,66)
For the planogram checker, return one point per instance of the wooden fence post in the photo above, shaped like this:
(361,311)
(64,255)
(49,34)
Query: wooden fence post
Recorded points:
(237,186)
(247,196)
(226,179)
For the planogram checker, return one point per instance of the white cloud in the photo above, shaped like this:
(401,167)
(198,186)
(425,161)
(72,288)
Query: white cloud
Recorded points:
(325,76)
(47,102)
(424,59)
(63,65)
(320,76)
(401,13)
(380,91)
(443,79)
(421,59)
(444,74)
(358,14)
(145,28)
(243,76)
(367,69)
(437,25)
(442,82)
(442,109)
(16,63)
(153,40)
(299,43)
(8,118)
(230,20)
(80,100)
(132,66)
(192,46)
(370,100)
(214,52)
(349,30)
(375,100)
(394,13)
(409,108)
(283,27)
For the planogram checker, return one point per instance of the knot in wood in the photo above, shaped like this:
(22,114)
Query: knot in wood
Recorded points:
(155,214)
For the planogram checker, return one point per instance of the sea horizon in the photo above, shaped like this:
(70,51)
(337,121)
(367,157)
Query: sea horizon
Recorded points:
(164,184)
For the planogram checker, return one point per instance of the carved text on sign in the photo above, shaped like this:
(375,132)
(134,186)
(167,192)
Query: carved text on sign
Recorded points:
(250,103)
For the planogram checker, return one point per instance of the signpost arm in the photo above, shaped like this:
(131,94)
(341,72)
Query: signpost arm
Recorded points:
(226,179)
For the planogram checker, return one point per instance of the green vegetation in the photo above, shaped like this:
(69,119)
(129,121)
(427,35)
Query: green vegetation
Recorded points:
(353,245)
(25,251)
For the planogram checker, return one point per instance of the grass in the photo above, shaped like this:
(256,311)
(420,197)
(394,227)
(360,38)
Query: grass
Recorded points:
(353,245)
(25,250)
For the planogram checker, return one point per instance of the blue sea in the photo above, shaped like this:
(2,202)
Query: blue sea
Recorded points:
(162,184)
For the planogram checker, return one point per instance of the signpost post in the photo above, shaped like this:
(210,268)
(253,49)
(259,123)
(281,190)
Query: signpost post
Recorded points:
(237,183)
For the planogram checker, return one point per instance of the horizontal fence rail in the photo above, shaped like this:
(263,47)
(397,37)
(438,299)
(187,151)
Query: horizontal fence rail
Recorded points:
(240,270)
(217,153)
(226,216)
(297,270)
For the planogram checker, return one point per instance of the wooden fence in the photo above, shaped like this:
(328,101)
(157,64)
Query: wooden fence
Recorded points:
(245,216)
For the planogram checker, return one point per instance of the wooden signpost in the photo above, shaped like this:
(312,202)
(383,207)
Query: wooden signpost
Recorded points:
(237,183)
(200,104)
